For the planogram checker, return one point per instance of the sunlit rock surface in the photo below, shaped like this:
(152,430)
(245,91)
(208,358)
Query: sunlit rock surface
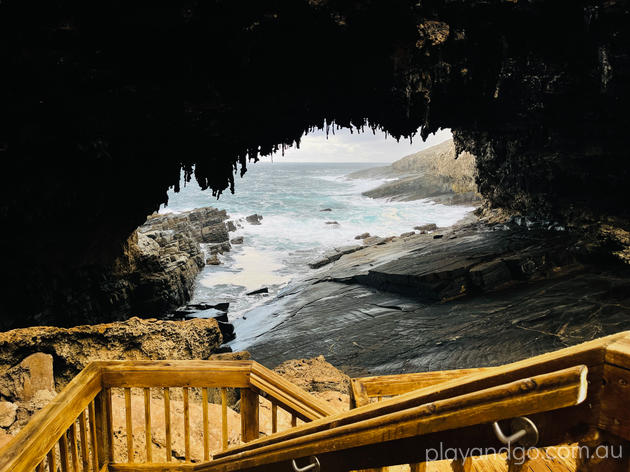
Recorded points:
(73,348)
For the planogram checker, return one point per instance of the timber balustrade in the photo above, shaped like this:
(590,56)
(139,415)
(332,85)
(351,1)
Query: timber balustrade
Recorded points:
(75,432)
(568,393)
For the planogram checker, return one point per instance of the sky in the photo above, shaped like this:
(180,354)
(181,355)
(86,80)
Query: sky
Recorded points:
(357,147)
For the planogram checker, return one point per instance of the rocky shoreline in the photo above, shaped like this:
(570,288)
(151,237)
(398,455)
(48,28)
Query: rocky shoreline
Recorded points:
(153,274)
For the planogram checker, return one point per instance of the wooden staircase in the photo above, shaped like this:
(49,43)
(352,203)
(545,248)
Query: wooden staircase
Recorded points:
(578,398)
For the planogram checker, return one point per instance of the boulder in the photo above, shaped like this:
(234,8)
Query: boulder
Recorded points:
(254,219)
(8,414)
(33,374)
(217,233)
(373,240)
(259,291)
(219,248)
(326,209)
(332,222)
(213,260)
(405,235)
(319,378)
(427,227)
(227,330)
(333,255)
(362,236)
(238,240)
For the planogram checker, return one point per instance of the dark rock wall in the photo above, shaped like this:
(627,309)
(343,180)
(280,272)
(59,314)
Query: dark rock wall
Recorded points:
(105,101)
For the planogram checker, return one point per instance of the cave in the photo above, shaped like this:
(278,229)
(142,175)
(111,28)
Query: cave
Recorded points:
(105,103)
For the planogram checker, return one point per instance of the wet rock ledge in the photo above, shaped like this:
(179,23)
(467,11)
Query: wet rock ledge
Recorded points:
(476,295)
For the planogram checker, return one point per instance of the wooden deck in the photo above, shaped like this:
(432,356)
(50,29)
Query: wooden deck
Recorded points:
(577,397)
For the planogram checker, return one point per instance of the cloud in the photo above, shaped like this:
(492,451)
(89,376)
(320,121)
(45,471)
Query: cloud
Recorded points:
(344,146)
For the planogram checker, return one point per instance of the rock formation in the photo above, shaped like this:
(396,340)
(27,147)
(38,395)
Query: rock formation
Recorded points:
(73,348)
(319,378)
(155,274)
(333,255)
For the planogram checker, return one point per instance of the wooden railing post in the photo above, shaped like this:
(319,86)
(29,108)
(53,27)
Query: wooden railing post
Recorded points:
(102,429)
(250,429)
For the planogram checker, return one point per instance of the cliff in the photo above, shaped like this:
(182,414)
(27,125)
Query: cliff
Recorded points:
(436,173)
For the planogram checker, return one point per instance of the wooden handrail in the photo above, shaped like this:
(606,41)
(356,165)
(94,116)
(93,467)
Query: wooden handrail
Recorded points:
(215,374)
(29,447)
(146,374)
(523,397)
(364,388)
(292,398)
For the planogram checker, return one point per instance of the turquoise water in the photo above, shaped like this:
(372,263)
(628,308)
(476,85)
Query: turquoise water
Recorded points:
(290,197)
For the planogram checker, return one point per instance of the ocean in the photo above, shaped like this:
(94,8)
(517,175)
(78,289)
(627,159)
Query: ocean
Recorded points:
(290,197)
